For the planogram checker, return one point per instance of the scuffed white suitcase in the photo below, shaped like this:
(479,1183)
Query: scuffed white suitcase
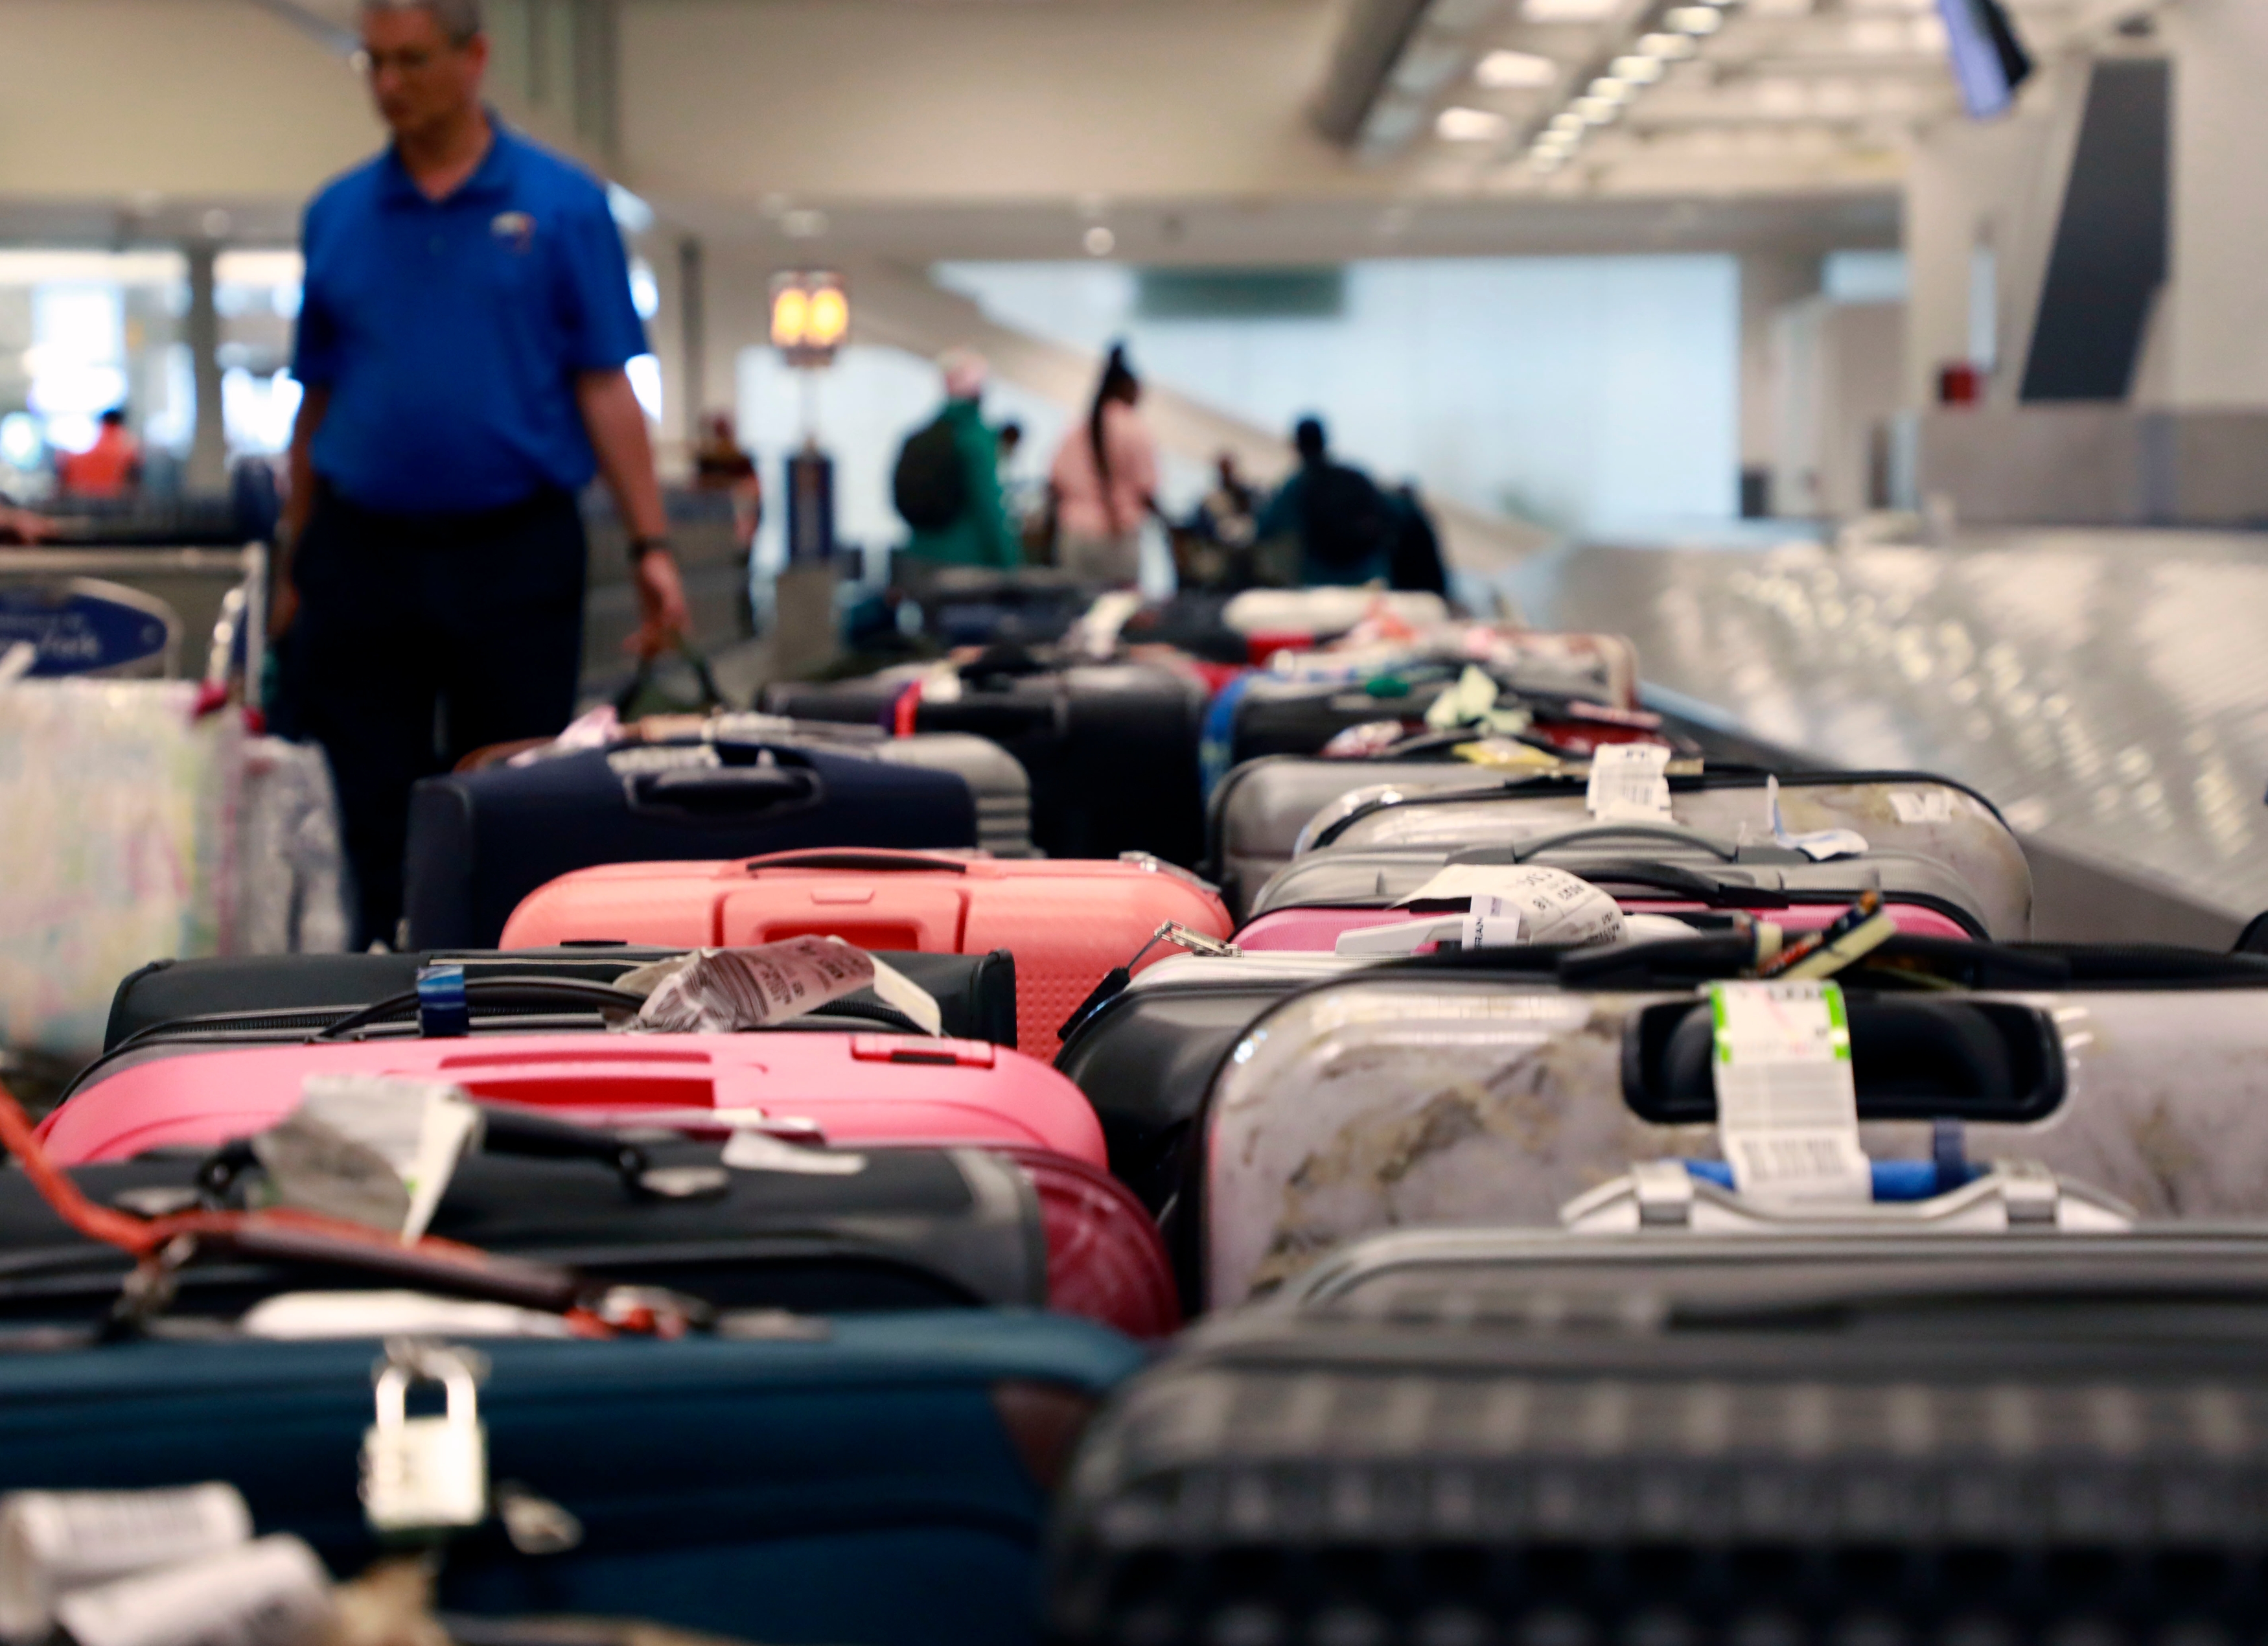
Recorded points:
(1450,1093)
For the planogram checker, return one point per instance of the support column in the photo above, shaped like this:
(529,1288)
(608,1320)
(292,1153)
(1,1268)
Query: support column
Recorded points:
(207,467)
(692,337)
(1770,281)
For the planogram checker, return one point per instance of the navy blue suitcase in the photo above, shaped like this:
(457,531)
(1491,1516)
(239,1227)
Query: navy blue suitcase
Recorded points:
(884,1482)
(481,841)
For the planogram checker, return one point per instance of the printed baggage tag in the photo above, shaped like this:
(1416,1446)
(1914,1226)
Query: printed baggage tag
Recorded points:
(273,1593)
(1471,701)
(1788,1108)
(372,1149)
(425,1473)
(53,1543)
(723,990)
(1630,783)
(1820,843)
(1550,905)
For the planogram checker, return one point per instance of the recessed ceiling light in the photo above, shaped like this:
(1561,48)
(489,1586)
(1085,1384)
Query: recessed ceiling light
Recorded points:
(1612,90)
(1694,19)
(1471,125)
(1098,241)
(1514,70)
(1596,111)
(1637,71)
(1569,10)
(1567,121)
(1667,48)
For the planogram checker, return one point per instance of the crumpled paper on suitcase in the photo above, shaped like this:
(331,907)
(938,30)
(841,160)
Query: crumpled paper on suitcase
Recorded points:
(723,990)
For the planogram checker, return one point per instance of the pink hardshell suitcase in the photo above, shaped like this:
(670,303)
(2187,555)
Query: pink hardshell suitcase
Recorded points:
(1318,931)
(1106,1259)
(1067,921)
(854,1088)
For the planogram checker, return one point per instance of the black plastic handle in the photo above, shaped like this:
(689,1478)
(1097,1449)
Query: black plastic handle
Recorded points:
(1668,834)
(870,862)
(1912,1058)
(725,790)
(547,991)
(1697,884)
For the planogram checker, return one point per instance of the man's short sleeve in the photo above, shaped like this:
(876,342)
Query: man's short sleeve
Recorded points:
(604,332)
(315,344)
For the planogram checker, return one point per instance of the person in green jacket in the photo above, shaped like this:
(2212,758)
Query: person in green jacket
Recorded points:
(957,518)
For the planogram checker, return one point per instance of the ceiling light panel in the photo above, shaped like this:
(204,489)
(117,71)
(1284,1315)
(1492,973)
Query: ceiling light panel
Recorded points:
(1637,69)
(1471,125)
(1515,72)
(1569,10)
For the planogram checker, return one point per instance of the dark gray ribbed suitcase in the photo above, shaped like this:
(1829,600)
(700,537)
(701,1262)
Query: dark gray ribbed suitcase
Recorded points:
(1556,1440)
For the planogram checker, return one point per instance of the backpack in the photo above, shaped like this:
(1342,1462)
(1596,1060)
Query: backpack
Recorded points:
(1347,518)
(929,485)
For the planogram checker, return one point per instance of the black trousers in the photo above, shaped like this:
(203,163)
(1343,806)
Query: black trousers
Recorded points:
(419,640)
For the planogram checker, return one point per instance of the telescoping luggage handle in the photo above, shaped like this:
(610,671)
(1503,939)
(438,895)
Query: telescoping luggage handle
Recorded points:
(870,861)
(1665,834)
(699,783)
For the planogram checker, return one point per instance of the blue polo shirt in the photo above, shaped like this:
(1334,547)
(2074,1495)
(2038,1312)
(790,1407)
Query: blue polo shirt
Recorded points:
(450,334)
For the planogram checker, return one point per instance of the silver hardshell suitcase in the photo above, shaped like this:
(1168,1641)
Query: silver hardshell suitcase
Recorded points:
(1428,1095)
(1896,811)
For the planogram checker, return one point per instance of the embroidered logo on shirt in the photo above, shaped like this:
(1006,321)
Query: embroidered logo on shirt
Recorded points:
(516,227)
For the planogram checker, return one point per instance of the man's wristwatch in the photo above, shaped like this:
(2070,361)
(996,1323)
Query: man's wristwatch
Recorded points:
(641,547)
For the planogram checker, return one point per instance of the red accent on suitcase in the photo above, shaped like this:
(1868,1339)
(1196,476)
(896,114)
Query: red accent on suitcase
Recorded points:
(988,1098)
(1316,930)
(1106,1260)
(1067,922)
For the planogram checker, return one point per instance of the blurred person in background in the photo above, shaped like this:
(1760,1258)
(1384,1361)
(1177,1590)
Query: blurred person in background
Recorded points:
(109,469)
(946,484)
(721,464)
(1103,484)
(1344,525)
(1229,514)
(462,341)
(1415,561)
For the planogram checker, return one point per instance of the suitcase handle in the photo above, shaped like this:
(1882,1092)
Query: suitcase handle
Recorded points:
(875,863)
(1668,834)
(521,1136)
(1911,1059)
(575,990)
(1687,882)
(725,791)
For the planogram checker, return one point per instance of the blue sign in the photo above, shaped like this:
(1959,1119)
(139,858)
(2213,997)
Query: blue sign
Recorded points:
(77,630)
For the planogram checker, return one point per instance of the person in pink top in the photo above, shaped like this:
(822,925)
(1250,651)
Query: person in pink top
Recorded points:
(1104,482)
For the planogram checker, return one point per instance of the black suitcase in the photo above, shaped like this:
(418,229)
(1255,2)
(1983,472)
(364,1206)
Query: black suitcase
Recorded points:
(481,841)
(172,1007)
(1111,747)
(1989,1439)
(910,1228)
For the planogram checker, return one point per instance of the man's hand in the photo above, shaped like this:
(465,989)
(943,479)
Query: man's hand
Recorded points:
(23,525)
(664,620)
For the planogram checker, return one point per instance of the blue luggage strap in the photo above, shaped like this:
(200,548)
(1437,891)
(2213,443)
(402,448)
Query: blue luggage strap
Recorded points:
(442,1012)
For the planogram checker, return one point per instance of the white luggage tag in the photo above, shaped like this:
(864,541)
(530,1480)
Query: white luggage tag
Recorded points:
(1820,843)
(1630,783)
(1472,702)
(272,1593)
(424,1474)
(53,1543)
(372,1149)
(1787,1107)
(723,991)
(1552,905)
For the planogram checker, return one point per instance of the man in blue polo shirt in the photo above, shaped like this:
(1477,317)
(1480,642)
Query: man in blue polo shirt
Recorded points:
(462,340)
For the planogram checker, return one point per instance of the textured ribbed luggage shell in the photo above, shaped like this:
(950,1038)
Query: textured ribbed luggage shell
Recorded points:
(1656,1440)
(1066,922)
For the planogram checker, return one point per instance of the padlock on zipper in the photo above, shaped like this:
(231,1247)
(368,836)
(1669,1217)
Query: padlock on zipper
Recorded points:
(425,1474)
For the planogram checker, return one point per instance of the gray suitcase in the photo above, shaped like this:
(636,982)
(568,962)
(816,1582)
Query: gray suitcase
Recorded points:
(1498,1088)
(1571,1441)
(1896,811)
(1647,862)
